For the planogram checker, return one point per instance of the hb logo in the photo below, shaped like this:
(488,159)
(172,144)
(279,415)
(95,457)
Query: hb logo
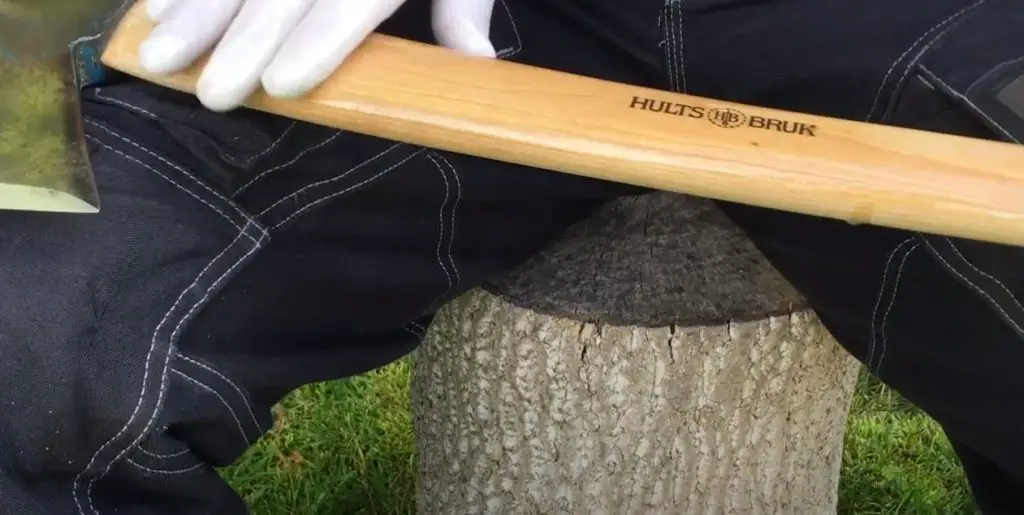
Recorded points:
(726,117)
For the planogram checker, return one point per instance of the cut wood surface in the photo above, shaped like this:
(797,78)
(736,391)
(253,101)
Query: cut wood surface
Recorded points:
(649,361)
(521,413)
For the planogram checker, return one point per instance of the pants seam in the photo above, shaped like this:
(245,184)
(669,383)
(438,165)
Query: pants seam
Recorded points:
(273,146)
(241,393)
(990,277)
(886,272)
(517,47)
(892,301)
(448,236)
(673,41)
(98,92)
(161,456)
(234,415)
(666,46)
(79,484)
(283,166)
(249,221)
(127,105)
(1003,310)
(928,75)
(681,43)
(914,62)
(165,461)
(921,39)
(302,208)
(335,178)
(161,472)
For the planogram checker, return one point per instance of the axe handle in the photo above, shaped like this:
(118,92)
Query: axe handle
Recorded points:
(856,172)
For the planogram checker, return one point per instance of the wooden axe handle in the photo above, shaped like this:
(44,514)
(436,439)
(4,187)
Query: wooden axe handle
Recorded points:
(857,172)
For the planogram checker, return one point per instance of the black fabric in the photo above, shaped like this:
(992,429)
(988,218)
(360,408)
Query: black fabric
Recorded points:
(240,256)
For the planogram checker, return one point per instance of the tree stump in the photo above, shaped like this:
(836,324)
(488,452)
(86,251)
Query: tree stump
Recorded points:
(649,362)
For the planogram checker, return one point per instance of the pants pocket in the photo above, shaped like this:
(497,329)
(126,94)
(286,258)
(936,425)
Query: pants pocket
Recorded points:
(162,455)
(976,67)
(208,415)
(970,82)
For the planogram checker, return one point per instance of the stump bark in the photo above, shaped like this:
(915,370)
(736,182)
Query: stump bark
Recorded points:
(650,361)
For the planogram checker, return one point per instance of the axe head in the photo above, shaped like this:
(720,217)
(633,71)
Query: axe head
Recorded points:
(49,51)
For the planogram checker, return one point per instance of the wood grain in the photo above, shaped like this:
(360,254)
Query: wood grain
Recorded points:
(857,172)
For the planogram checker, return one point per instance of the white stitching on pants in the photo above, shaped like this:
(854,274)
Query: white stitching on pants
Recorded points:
(985,274)
(892,301)
(241,393)
(675,59)
(294,160)
(358,185)
(223,155)
(126,105)
(918,41)
(272,146)
(673,45)
(181,170)
(881,293)
(332,179)
(170,180)
(974,286)
(165,472)
(963,98)
(667,47)
(75,486)
(441,222)
(163,380)
(681,41)
(912,64)
(238,423)
(455,210)
(505,53)
(434,157)
(162,456)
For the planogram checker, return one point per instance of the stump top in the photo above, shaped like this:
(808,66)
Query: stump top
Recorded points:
(654,260)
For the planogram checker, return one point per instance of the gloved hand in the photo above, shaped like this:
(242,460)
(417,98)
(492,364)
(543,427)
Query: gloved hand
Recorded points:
(291,46)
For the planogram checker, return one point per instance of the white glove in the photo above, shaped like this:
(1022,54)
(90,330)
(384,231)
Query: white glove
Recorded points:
(291,46)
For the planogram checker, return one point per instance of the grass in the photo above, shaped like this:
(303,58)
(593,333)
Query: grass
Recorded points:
(896,460)
(343,447)
(347,448)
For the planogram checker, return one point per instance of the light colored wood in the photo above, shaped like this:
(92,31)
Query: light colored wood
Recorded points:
(857,172)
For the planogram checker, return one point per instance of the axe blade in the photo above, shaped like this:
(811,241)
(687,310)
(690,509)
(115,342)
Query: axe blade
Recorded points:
(49,51)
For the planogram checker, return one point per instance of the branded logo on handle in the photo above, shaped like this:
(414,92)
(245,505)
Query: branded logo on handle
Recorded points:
(724,117)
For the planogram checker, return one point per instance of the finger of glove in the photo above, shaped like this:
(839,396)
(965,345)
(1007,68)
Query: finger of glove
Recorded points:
(324,38)
(188,31)
(158,10)
(464,25)
(243,54)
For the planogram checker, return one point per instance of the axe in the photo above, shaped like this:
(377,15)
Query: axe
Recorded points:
(857,172)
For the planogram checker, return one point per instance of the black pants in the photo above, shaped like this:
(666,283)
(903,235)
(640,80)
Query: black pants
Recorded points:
(240,256)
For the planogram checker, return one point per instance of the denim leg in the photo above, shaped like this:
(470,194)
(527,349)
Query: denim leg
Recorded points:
(90,311)
(236,258)
(938,319)
(240,256)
